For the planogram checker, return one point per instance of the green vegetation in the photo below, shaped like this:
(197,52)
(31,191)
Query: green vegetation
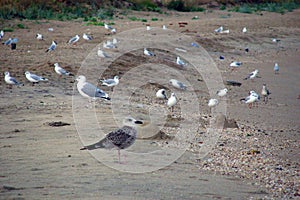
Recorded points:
(134,18)
(8,29)
(94,10)
(270,7)
(154,19)
(180,5)
(22,26)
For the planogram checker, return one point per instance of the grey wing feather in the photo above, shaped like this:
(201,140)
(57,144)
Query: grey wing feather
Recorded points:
(181,85)
(72,39)
(108,81)
(15,81)
(35,77)
(93,91)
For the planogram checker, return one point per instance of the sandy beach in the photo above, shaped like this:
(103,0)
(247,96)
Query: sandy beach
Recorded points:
(257,160)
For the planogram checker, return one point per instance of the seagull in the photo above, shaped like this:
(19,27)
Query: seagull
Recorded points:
(164,27)
(39,36)
(109,45)
(193,44)
(235,64)
(180,62)
(115,41)
(106,26)
(1,34)
(161,94)
(148,53)
(34,78)
(89,90)
(121,138)
(74,40)
(8,42)
(219,30)
(52,46)
(113,31)
(172,101)
(177,84)
(244,30)
(11,80)
(265,93)
(225,31)
(59,70)
(251,99)
(102,54)
(252,75)
(148,28)
(275,40)
(110,82)
(212,102)
(276,68)
(86,37)
(222,93)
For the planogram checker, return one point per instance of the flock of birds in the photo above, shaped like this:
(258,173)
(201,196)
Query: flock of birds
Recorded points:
(125,136)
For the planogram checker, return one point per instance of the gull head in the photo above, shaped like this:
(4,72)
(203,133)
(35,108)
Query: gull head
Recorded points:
(81,78)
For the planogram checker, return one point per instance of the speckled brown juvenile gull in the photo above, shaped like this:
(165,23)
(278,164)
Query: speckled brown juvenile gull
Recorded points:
(119,139)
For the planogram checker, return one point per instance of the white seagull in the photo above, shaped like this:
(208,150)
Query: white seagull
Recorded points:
(74,40)
(86,37)
(109,45)
(235,64)
(89,90)
(276,68)
(222,93)
(106,26)
(164,27)
(161,94)
(148,53)
(1,34)
(172,101)
(102,54)
(252,75)
(275,40)
(52,46)
(11,80)
(180,62)
(59,70)
(34,78)
(251,99)
(148,28)
(244,30)
(113,31)
(212,102)
(39,36)
(110,82)
(177,84)
(219,30)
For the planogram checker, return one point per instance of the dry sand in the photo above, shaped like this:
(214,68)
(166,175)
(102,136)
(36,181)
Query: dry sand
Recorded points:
(40,161)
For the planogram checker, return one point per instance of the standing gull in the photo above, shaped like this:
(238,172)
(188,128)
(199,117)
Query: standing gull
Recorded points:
(251,99)
(265,93)
(87,37)
(59,70)
(110,82)
(52,46)
(11,80)
(177,84)
(276,68)
(222,93)
(106,26)
(39,36)
(172,101)
(89,90)
(219,30)
(121,138)
(180,62)
(34,78)
(244,30)
(102,54)
(74,40)
(212,102)
(1,34)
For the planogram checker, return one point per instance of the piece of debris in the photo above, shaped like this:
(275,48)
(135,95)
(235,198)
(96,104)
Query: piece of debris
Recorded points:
(58,124)
(233,83)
